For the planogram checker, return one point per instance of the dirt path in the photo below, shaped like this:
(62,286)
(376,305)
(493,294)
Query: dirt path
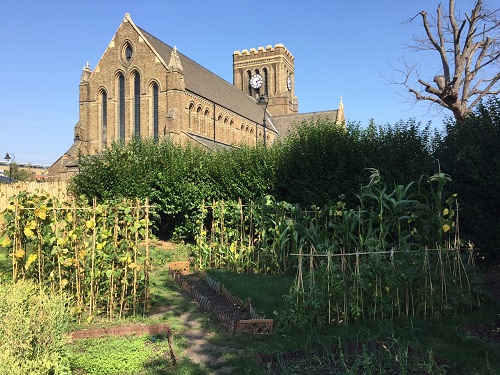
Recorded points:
(202,350)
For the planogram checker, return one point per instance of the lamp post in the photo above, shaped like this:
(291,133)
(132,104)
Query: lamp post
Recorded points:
(263,100)
(9,158)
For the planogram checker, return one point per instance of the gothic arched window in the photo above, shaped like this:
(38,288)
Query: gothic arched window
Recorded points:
(225,128)
(220,128)
(190,115)
(265,77)
(249,77)
(104,118)
(154,109)
(121,106)
(206,118)
(137,104)
(231,130)
(198,119)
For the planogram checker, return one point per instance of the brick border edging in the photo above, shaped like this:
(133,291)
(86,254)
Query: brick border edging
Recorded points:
(254,326)
(135,329)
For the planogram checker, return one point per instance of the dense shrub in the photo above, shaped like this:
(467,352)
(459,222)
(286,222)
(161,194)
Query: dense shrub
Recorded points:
(470,153)
(177,179)
(316,164)
(32,327)
(321,161)
(400,152)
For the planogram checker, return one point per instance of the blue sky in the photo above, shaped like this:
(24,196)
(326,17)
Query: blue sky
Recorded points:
(341,48)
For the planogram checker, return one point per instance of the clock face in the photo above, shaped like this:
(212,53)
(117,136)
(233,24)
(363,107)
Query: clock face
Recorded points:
(256,81)
(289,83)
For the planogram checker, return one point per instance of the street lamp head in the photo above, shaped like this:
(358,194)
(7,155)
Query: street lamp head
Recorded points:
(10,159)
(262,99)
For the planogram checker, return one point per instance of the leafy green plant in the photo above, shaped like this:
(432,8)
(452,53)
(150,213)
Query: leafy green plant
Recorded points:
(33,326)
(366,355)
(120,355)
(397,254)
(178,179)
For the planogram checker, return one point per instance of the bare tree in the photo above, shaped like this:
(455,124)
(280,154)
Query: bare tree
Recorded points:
(469,51)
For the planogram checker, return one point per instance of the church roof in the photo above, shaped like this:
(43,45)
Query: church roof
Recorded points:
(203,82)
(285,124)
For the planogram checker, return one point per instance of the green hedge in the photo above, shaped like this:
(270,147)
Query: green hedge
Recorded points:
(470,153)
(321,161)
(316,164)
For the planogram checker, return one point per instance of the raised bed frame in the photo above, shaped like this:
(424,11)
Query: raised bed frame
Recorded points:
(256,325)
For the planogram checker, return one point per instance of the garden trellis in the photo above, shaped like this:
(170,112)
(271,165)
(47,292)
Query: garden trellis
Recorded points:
(339,287)
(398,253)
(96,253)
(253,238)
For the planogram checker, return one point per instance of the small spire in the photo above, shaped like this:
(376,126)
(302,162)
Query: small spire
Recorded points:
(175,61)
(340,113)
(86,73)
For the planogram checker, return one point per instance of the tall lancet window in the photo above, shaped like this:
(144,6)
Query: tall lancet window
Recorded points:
(155,111)
(265,78)
(104,119)
(249,77)
(121,106)
(137,104)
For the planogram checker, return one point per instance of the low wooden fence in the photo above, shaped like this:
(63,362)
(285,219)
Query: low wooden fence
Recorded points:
(256,325)
(58,189)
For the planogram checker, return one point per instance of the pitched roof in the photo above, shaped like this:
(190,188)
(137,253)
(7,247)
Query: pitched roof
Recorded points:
(209,143)
(203,82)
(285,124)
(6,180)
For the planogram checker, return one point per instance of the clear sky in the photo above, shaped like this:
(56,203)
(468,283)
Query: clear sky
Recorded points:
(341,48)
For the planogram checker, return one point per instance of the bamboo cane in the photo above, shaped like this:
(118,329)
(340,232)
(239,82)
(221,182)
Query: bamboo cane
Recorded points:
(136,244)
(146,264)
(92,301)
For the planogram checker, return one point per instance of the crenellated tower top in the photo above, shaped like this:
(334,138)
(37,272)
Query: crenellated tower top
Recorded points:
(271,70)
(269,51)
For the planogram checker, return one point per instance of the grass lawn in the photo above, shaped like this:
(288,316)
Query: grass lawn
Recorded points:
(265,291)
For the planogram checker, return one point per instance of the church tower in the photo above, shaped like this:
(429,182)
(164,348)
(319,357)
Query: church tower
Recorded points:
(267,73)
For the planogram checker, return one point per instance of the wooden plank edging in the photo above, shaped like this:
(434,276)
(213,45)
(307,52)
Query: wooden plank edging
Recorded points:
(256,325)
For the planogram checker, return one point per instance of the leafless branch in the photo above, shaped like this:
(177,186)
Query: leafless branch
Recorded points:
(469,46)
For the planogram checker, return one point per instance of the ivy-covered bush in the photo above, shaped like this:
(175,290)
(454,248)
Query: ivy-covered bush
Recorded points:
(33,327)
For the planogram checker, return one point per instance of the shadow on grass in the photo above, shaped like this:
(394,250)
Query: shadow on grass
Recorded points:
(164,367)
(202,344)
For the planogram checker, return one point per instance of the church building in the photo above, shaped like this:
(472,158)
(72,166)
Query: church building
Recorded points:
(142,87)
